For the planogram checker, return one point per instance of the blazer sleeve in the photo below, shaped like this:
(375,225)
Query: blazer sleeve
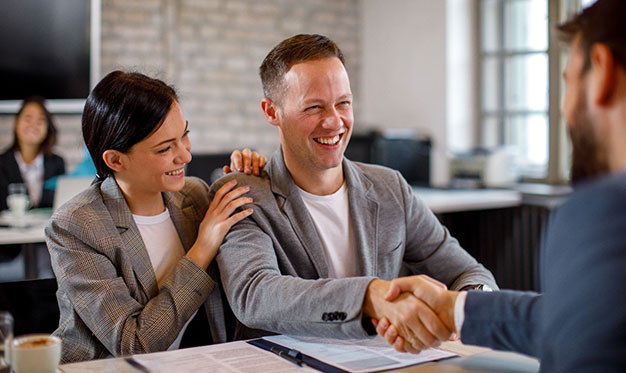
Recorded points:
(93,272)
(503,320)
(431,250)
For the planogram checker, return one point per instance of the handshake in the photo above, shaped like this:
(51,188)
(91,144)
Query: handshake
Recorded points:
(411,313)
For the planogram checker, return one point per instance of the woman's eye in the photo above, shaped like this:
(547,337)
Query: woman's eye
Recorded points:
(164,150)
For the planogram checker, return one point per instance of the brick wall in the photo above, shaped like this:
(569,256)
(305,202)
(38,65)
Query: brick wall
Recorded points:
(210,50)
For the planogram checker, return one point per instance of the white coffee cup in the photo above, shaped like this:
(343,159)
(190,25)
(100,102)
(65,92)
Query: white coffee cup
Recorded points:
(35,353)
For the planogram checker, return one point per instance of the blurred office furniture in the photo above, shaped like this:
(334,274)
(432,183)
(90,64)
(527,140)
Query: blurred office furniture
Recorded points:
(480,167)
(69,186)
(404,152)
(208,167)
(32,303)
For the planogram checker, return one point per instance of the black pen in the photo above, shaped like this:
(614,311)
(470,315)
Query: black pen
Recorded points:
(137,365)
(292,355)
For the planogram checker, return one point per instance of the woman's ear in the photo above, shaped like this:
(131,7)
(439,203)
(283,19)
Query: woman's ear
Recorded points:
(113,159)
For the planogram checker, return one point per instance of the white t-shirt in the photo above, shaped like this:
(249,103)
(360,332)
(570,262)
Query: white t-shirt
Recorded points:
(165,250)
(331,215)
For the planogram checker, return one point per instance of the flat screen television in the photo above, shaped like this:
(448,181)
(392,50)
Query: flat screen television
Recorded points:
(49,48)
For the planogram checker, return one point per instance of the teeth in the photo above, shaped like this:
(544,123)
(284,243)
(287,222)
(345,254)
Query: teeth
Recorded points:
(328,141)
(175,173)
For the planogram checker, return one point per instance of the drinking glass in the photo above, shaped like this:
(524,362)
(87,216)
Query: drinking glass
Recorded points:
(17,200)
(6,340)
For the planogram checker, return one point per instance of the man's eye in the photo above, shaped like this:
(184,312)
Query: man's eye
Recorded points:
(314,107)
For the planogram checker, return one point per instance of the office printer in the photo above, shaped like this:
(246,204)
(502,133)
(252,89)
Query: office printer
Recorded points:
(482,167)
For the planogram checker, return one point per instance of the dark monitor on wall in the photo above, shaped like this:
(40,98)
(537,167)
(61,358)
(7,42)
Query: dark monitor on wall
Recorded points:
(50,48)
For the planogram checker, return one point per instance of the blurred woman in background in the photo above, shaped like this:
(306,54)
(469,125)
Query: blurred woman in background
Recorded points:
(30,160)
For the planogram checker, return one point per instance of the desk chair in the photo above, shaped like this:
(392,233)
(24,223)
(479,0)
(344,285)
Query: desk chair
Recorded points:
(33,304)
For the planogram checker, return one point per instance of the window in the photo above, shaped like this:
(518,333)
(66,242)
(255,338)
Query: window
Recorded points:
(514,81)
(520,83)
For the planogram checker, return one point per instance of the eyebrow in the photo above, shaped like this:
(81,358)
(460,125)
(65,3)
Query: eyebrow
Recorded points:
(172,139)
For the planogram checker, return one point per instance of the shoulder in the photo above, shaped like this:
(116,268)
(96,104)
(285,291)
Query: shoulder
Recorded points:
(82,211)
(601,199)
(259,185)
(381,179)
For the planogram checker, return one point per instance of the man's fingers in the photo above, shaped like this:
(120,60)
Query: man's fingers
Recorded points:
(399,285)
(433,323)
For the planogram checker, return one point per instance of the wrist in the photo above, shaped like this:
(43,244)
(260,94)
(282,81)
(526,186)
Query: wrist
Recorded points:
(376,290)
(447,311)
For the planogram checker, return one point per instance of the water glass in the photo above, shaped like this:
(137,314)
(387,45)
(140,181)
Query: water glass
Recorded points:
(17,200)
(6,341)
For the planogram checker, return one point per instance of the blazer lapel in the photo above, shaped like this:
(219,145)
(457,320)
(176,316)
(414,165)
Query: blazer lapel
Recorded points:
(297,213)
(184,218)
(130,236)
(364,218)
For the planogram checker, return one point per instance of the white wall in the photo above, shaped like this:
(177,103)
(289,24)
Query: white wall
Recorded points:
(418,71)
(403,71)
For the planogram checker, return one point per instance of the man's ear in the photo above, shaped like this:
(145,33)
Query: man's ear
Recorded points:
(603,74)
(113,159)
(270,109)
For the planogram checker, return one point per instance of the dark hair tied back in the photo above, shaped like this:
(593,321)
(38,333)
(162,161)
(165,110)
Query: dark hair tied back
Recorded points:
(121,110)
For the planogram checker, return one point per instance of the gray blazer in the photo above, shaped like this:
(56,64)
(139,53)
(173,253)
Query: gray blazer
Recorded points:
(273,267)
(108,295)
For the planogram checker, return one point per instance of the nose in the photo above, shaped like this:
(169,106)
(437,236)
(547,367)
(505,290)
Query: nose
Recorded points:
(184,152)
(333,119)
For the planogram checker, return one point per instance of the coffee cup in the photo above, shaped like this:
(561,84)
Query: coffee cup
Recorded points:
(35,353)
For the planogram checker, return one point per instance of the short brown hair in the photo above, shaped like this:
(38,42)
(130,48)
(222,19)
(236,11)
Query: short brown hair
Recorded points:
(603,22)
(297,49)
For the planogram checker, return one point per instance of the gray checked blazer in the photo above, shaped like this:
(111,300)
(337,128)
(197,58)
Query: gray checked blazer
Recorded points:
(273,267)
(108,295)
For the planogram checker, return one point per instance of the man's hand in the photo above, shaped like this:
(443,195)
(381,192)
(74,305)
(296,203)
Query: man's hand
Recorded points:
(245,161)
(413,320)
(430,291)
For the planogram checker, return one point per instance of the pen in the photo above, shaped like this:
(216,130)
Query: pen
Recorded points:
(291,356)
(137,365)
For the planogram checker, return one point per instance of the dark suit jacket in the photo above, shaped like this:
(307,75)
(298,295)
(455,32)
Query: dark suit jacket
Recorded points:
(53,165)
(579,323)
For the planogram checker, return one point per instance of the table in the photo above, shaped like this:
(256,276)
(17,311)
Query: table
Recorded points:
(455,200)
(27,234)
(471,359)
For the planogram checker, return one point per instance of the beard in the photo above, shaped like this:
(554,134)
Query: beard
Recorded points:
(589,155)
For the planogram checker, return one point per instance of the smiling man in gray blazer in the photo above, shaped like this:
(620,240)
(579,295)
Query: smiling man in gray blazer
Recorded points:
(327,234)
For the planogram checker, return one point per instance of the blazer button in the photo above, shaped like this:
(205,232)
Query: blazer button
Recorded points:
(342,316)
(325,316)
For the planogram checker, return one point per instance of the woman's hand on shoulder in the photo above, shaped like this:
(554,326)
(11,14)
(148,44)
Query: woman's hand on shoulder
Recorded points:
(218,220)
(246,161)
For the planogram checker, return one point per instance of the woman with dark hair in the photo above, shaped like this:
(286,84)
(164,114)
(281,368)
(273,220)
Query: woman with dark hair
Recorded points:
(133,254)
(30,160)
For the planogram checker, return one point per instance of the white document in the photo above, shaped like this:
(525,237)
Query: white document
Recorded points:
(234,357)
(357,355)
